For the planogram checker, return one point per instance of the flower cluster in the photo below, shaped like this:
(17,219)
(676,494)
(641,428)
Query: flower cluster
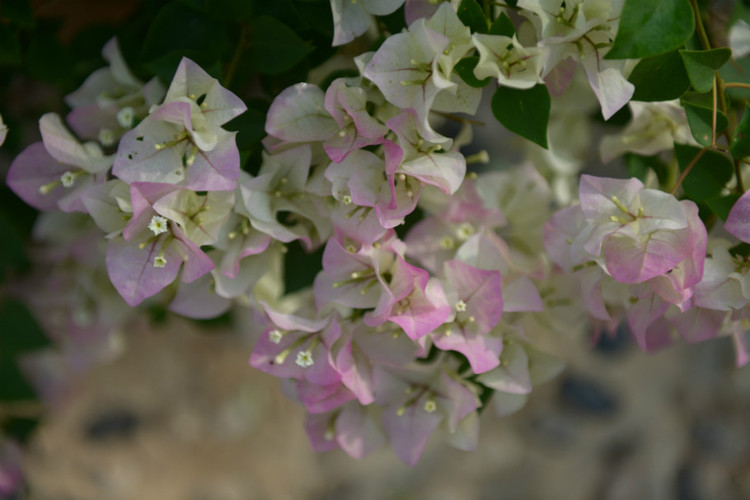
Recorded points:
(438,284)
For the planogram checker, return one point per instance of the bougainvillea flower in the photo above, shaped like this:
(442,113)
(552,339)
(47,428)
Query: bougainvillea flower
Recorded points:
(351,18)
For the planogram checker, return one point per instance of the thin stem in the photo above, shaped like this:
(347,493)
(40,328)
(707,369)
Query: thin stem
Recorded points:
(713,115)
(459,119)
(505,5)
(738,174)
(737,85)
(702,36)
(687,170)
(235,61)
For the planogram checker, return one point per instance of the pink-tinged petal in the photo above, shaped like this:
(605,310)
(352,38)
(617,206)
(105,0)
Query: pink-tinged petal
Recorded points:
(197,263)
(132,271)
(87,121)
(590,279)
(400,59)
(608,83)
(482,351)
(102,203)
(416,9)
(177,112)
(335,282)
(596,194)
(520,294)
(381,7)
(198,300)
(355,370)
(65,148)
(738,222)
(140,160)
(543,367)
(561,237)
(191,81)
(298,115)
(120,71)
(31,170)
(512,375)
(481,290)
(142,197)
(409,432)
(698,324)
(445,171)
(97,82)
(349,21)
(427,309)
(321,432)
(646,322)
(559,79)
(466,435)
(215,170)
(630,261)
(739,338)
(358,431)
(322,398)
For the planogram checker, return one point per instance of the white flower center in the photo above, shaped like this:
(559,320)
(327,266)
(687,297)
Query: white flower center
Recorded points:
(304,359)
(158,225)
(275,336)
(125,117)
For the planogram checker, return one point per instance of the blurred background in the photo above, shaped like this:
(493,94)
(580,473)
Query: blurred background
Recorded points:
(101,402)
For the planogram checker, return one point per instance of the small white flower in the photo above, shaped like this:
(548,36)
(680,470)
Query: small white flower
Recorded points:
(275,336)
(158,225)
(67,179)
(160,261)
(304,359)
(125,117)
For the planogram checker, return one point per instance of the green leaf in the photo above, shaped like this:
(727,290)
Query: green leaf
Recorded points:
(700,120)
(722,205)
(638,166)
(525,112)
(659,78)
(465,69)
(18,11)
(177,31)
(471,14)
(503,26)
(740,147)
(708,177)
(10,49)
(19,331)
(275,47)
(701,66)
(300,266)
(652,27)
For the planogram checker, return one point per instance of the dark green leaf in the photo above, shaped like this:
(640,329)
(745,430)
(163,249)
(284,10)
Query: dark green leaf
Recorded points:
(659,78)
(700,120)
(274,47)
(708,177)
(250,127)
(300,266)
(19,331)
(740,147)
(465,69)
(471,14)
(638,166)
(722,205)
(701,66)
(525,112)
(652,27)
(48,60)
(10,49)
(17,11)
(502,26)
(177,31)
